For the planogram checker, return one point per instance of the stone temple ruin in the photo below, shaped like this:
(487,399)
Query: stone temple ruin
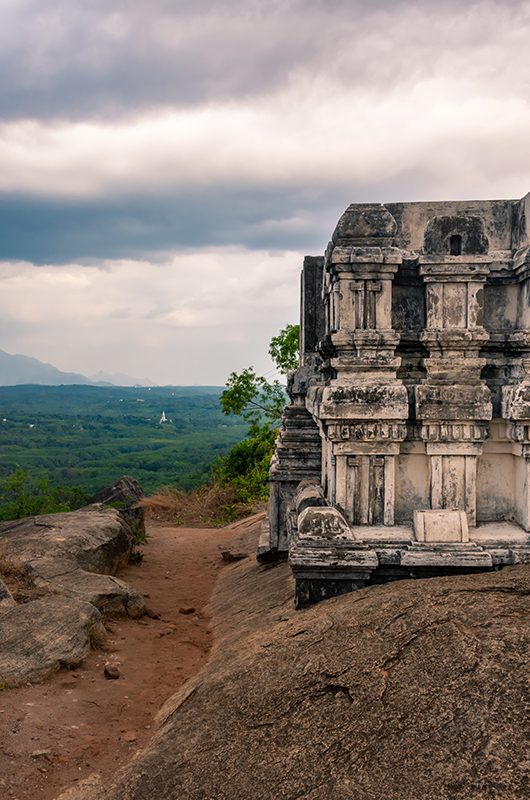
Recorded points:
(405,450)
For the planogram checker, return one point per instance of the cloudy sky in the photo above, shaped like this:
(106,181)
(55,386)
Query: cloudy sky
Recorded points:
(165,165)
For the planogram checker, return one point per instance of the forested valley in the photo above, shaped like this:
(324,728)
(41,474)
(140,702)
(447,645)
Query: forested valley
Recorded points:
(84,437)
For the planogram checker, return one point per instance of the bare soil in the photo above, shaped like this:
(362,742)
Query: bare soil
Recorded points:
(80,722)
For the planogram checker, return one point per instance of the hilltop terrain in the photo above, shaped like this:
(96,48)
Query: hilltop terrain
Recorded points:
(78,722)
(413,689)
(406,690)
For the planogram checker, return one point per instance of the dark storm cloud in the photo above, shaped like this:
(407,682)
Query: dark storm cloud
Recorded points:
(51,231)
(164,165)
(101,59)
(296,218)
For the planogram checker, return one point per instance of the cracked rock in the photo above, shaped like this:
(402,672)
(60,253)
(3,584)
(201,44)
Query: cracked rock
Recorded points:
(40,637)
(406,690)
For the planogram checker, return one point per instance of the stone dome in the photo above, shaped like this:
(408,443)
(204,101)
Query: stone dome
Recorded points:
(365,224)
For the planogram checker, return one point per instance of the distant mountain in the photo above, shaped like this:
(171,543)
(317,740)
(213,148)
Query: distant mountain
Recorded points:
(17,369)
(119,379)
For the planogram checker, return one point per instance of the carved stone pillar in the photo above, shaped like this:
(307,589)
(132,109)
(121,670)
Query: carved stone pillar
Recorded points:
(516,411)
(453,404)
(362,410)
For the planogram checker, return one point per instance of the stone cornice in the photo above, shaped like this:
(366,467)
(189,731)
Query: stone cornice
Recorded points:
(359,255)
(441,269)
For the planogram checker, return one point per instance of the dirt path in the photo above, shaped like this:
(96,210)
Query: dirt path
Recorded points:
(80,722)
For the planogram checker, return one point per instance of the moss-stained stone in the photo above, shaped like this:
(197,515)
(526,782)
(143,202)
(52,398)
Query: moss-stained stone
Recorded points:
(413,394)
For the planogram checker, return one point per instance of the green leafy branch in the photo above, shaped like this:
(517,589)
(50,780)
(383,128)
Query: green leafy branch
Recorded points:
(251,396)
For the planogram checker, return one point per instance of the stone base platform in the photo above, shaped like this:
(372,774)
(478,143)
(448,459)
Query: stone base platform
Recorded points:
(326,567)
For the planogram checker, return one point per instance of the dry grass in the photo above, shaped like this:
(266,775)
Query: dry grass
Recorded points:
(20,583)
(208,506)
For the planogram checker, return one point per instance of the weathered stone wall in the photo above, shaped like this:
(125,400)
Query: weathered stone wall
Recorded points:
(416,370)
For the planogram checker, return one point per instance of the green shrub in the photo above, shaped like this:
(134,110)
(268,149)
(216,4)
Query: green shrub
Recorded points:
(246,467)
(20,498)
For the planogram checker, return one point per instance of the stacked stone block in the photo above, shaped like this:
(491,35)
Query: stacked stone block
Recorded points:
(415,377)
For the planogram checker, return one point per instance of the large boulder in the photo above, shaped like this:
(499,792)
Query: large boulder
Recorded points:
(68,561)
(95,538)
(112,596)
(408,690)
(74,554)
(125,495)
(38,638)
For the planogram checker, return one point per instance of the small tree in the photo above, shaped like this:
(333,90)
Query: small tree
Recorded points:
(260,402)
(284,349)
(252,396)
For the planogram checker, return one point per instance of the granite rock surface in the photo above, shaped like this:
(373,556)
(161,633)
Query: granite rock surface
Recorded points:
(61,572)
(45,635)
(74,554)
(405,690)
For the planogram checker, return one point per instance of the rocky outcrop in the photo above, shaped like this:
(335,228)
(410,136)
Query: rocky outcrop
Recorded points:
(66,564)
(406,690)
(74,554)
(40,637)
(88,789)
(94,538)
(125,495)
(106,592)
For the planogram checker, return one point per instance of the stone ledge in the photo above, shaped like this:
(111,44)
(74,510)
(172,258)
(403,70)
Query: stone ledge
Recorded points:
(428,557)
